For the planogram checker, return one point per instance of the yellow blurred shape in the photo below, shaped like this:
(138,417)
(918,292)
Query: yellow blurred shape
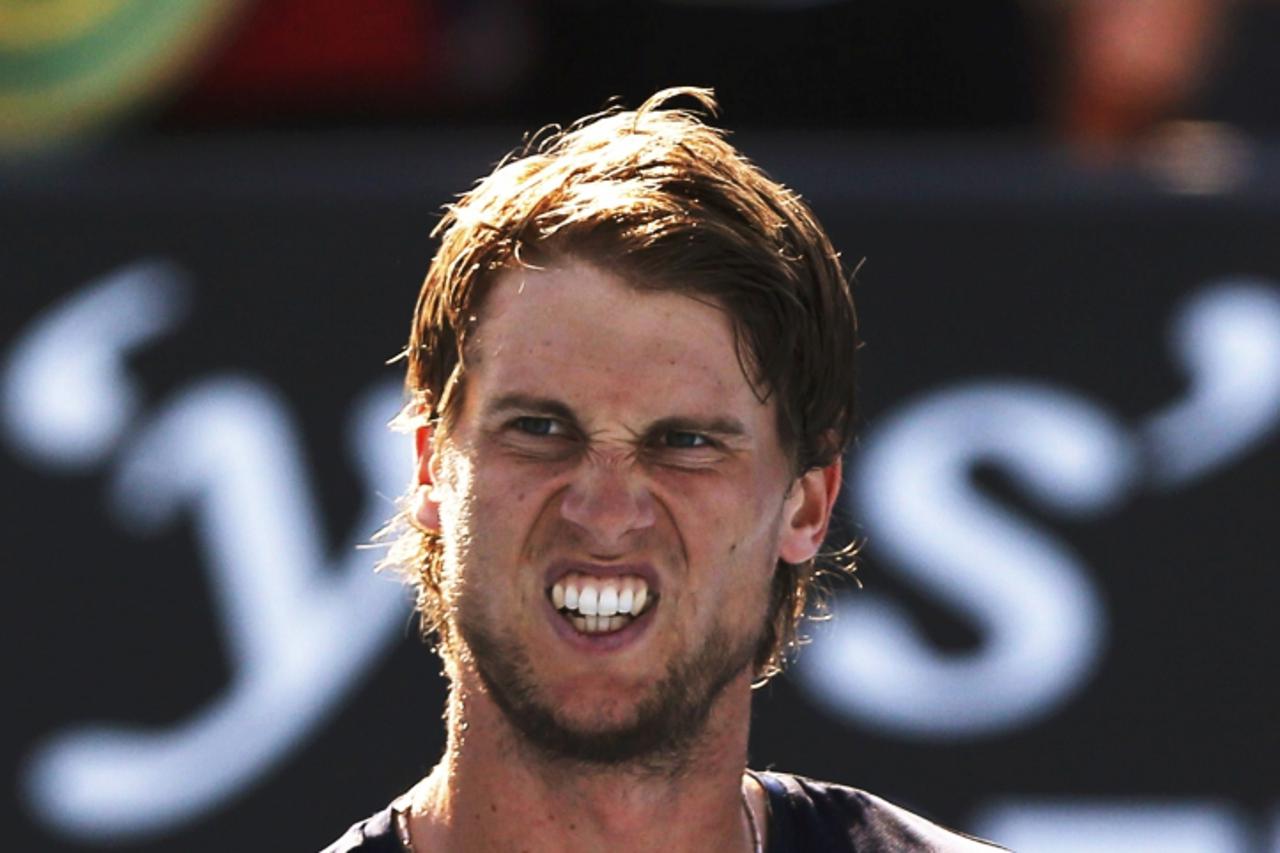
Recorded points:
(27,24)
(68,68)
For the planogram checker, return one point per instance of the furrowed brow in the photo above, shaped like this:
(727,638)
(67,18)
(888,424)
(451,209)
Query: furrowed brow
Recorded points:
(530,404)
(718,427)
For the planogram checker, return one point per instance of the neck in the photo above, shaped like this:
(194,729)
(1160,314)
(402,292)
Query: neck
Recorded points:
(492,791)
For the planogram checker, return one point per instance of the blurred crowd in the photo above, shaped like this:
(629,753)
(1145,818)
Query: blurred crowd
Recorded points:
(1103,77)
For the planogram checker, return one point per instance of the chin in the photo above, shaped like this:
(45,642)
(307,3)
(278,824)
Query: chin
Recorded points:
(601,716)
(651,723)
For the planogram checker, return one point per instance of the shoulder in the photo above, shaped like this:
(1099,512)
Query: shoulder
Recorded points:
(374,834)
(807,814)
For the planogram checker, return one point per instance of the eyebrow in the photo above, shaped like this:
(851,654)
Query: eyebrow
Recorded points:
(720,426)
(518,402)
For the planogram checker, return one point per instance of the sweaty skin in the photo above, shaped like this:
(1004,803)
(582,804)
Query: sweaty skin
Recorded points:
(606,437)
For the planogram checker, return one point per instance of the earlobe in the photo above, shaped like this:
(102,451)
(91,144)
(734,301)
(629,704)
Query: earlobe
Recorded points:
(424,511)
(808,512)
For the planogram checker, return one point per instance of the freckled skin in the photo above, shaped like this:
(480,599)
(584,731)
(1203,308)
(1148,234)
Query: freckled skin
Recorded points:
(708,519)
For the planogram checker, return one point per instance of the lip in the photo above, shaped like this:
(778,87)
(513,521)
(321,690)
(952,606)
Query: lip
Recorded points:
(560,568)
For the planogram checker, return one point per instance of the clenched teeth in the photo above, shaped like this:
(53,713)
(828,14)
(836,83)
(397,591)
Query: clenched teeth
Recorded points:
(599,624)
(599,605)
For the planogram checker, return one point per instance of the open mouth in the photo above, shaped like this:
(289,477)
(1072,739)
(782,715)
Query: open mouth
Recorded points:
(601,605)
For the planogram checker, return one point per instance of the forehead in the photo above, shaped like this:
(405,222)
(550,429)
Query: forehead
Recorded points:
(575,330)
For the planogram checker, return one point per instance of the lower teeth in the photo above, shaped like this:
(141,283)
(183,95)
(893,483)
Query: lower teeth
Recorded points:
(597,624)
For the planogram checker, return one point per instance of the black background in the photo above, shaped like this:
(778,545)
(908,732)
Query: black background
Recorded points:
(304,261)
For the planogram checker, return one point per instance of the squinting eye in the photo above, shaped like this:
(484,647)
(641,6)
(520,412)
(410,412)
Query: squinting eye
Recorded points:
(686,440)
(537,426)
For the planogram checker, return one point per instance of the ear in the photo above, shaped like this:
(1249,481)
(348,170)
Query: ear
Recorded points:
(807,512)
(425,510)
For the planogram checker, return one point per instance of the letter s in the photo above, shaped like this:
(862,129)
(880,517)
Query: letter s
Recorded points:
(1038,615)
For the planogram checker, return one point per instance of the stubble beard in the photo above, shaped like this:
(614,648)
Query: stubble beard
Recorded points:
(662,735)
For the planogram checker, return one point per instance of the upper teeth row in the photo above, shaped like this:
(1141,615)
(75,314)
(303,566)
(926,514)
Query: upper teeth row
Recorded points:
(600,596)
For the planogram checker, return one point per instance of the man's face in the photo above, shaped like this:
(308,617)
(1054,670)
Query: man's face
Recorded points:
(613,499)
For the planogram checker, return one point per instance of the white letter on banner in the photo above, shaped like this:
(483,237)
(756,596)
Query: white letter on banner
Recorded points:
(1227,338)
(1092,826)
(1039,618)
(65,396)
(300,633)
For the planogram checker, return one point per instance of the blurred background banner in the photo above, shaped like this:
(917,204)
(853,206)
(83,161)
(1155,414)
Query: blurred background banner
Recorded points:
(214,219)
(72,67)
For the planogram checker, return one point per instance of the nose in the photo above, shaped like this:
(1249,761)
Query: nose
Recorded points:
(608,501)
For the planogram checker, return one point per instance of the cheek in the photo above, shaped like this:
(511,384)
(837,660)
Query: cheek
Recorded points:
(730,535)
(509,499)
(459,513)
(479,494)
(733,518)
(496,524)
